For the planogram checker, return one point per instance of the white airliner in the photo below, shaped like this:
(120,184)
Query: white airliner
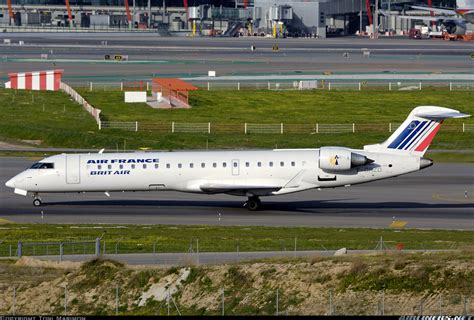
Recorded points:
(448,17)
(241,173)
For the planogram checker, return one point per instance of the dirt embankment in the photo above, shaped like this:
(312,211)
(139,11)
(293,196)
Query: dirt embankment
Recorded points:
(390,283)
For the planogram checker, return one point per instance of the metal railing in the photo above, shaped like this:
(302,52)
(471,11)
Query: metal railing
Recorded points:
(295,85)
(91,28)
(266,128)
(57,248)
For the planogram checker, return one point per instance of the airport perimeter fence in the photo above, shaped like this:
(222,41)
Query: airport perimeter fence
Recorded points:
(332,85)
(266,128)
(276,301)
(98,247)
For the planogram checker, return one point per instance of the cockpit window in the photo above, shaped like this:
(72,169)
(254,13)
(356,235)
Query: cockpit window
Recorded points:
(43,165)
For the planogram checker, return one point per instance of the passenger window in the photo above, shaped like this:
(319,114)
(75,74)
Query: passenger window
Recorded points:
(282,164)
(109,166)
(99,167)
(203,165)
(259,164)
(235,164)
(214,165)
(121,166)
(224,164)
(191,165)
(168,165)
(133,166)
(156,165)
(292,163)
(180,165)
(270,164)
(247,164)
(144,166)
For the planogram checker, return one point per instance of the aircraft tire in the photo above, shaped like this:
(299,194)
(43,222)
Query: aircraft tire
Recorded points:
(254,204)
(37,202)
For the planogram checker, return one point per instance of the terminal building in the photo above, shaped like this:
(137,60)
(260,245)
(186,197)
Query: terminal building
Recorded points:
(275,18)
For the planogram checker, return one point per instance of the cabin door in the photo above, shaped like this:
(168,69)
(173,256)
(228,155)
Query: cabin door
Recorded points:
(73,169)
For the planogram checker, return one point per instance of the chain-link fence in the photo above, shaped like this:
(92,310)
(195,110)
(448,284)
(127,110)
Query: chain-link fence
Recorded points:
(211,244)
(273,301)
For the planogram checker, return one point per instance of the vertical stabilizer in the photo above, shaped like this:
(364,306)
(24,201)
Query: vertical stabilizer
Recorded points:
(465,4)
(416,133)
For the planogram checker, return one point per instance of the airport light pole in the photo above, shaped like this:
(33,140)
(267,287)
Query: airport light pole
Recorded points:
(389,23)
(376,20)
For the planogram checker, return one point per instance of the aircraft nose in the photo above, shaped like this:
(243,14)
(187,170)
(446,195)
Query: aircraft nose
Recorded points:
(10,183)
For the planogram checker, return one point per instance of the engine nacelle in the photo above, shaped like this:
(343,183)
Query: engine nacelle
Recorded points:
(340,159)
(453,27)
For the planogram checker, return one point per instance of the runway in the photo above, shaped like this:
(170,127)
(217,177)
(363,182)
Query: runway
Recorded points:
(82,56)
(439,197)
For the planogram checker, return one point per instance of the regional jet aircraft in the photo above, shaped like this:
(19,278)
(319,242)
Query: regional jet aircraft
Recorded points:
(242,173)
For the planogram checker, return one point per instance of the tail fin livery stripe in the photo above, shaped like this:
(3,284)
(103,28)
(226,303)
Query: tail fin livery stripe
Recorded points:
(422,137)
(428,139)
(422,126)
(428,126)
(395,143)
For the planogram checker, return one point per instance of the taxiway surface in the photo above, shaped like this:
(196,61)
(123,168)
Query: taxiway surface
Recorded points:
(82,56)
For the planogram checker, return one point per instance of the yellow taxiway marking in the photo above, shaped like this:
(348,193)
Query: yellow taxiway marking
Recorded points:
(457,198)
(5,221)
(398,224)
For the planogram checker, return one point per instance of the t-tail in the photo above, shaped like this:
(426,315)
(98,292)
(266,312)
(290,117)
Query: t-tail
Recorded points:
(416,133)
(465,4)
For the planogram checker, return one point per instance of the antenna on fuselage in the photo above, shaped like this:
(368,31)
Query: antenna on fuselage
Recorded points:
(101,151)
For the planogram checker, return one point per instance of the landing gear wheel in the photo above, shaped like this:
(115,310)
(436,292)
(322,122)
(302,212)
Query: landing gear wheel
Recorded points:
(37,202)
(253,204)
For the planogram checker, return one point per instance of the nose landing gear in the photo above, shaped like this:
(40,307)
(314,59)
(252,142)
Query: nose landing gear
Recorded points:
(37,201)
(253,203)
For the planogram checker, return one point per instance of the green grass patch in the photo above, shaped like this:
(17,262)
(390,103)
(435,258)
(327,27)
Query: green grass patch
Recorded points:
(166,238)
(59,122)
(451,157)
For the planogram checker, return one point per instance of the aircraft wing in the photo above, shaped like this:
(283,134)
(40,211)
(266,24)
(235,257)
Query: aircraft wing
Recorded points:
(437,18)
(223,188)
(435,10)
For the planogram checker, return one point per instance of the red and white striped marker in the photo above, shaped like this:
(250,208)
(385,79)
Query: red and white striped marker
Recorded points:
(39,80)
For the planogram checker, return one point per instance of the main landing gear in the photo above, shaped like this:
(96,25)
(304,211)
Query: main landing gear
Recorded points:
(37,201)
(253,203)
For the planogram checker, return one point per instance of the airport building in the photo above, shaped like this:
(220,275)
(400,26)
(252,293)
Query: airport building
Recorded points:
(277,18)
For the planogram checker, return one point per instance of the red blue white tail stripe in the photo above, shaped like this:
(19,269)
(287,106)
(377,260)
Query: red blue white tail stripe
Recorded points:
(417,135)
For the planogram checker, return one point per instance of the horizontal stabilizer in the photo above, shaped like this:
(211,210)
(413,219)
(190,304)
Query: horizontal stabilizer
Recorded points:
(438,113)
